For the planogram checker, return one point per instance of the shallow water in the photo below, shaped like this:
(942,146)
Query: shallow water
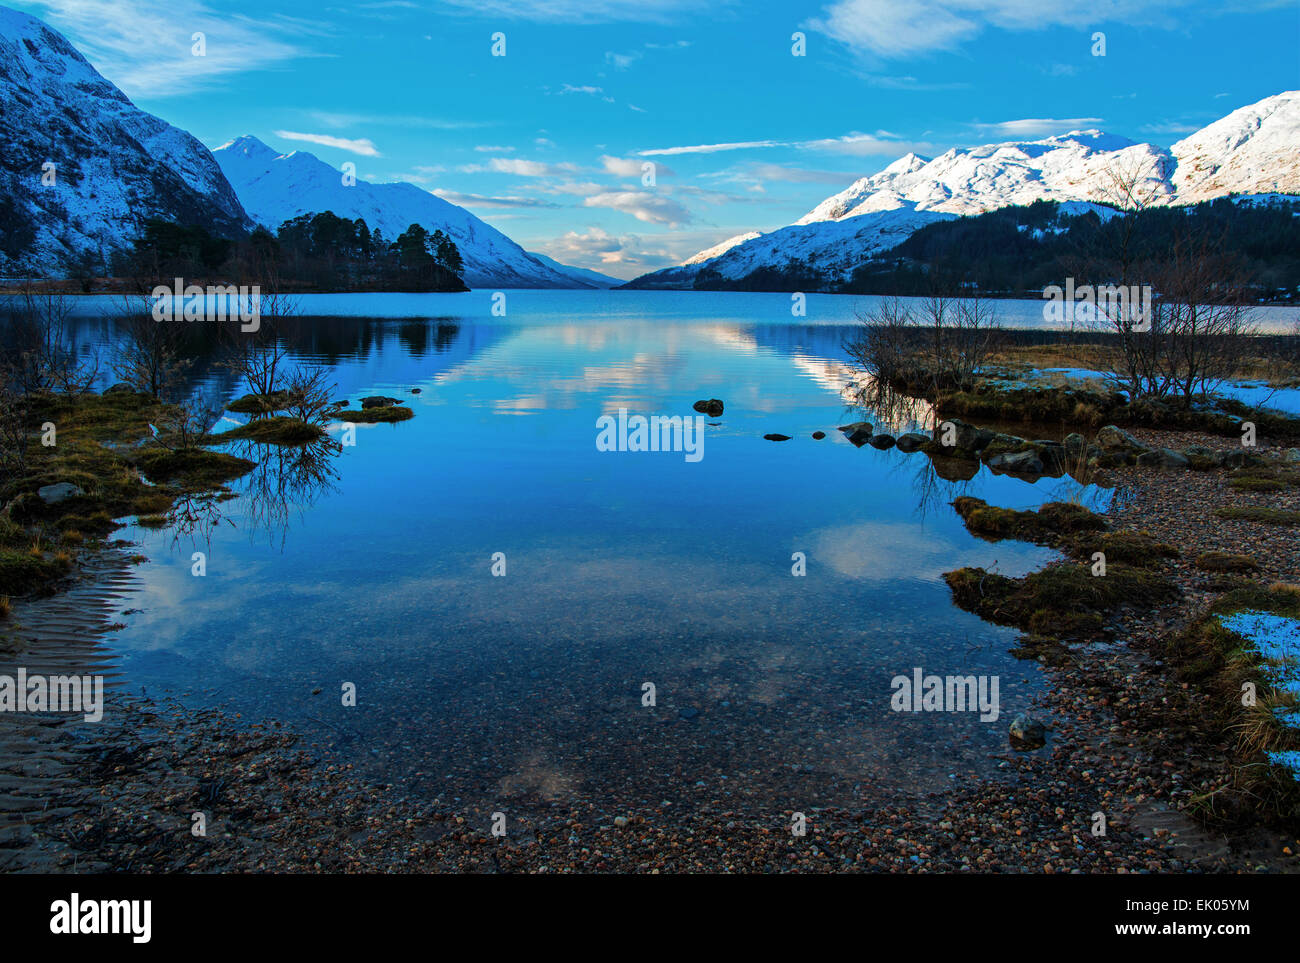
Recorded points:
(373,566)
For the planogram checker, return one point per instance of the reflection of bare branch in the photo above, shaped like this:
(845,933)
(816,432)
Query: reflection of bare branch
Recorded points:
(286,477)
(196,516)
(932,489)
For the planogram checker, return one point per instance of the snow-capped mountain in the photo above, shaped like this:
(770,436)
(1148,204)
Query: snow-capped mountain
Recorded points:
(1253,150)
(113,165)
(276,187)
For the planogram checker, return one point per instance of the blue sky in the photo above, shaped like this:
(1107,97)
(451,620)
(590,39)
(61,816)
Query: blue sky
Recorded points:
(547,142)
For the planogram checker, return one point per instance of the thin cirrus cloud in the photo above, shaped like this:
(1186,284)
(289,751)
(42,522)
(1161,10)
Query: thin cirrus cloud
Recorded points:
(579,11)
(855,144)
(147,47)
(361,145)
(486,200)
(1037,126)
(897,29)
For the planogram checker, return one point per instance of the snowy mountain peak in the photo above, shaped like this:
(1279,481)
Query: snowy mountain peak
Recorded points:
(906,164)
(249,146)
(277,187)
(83,167)
(1254,150)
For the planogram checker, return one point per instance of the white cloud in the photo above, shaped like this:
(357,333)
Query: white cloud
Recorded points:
(146,46)
(644,206)
(362,145)
(1037,126)
(709,148)
(519,167)
(621,255)
(630,167)
(494,149)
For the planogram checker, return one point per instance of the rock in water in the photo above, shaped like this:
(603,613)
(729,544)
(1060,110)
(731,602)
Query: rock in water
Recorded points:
(1027,733)
(711,407)
(818,435)
(911,442)
(881,441)
(776,437)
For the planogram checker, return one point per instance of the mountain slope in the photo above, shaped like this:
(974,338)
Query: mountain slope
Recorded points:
(115,165)
(584,276)
(1252,150)
(275,187)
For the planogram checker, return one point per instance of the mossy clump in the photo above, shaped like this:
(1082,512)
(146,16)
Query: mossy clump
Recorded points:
(1225,562)
(192,468)
(1043,526)
(1261,514)
(275,430)
(1130,548)
(1064,600)
(1263,479)
(378,414)
(25,571)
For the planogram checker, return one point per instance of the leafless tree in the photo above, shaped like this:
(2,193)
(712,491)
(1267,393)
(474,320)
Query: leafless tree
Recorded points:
(150,358)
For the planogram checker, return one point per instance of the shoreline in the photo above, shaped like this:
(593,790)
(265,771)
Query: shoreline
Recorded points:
(278,803)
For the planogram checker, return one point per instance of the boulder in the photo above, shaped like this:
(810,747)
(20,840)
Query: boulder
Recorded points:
(1242,459)
(1020,462)
(818,435)
(1173,459)
(709,406)
(379,401)
(1114,439)
(53,494)
(1027,733)
(858,433)
(1076,446)
(910,442)
(776,437)
(965,437)
(881,441)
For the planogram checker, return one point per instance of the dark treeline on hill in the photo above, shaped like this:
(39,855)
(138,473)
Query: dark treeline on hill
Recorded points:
(1017,251)
(311,252)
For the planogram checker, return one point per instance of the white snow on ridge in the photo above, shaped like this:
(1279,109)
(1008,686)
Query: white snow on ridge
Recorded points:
(1254,150)
(277,187)
(115,165)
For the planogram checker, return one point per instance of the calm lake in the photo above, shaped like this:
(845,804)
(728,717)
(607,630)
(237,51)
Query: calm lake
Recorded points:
(373,565)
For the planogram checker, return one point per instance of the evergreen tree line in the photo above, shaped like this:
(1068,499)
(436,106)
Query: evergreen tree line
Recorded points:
(320,251)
